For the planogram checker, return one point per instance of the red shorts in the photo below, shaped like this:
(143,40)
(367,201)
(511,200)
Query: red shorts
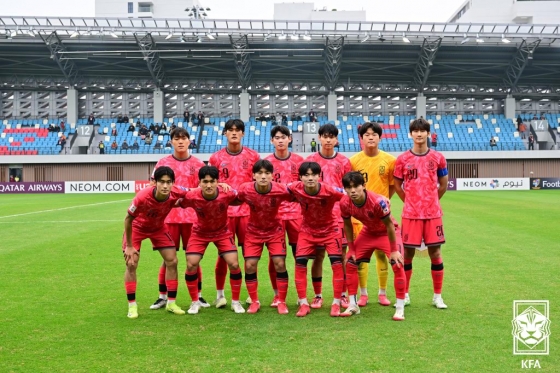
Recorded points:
(414,230)
(307,245)
(292,227)
(366,243)
(237,225)
(160,239)
(197,245)
(178,232)
(276,246)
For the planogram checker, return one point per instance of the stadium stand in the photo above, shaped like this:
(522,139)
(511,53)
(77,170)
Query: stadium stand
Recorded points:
(31,137)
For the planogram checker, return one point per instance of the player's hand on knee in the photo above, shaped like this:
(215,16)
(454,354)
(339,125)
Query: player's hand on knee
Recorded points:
(130,256)
(397,258)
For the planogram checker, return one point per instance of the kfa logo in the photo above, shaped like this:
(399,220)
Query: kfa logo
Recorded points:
(530,327)
(245,164)
(381,170)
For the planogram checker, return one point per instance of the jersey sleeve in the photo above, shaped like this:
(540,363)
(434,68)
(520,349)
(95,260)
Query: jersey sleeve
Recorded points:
(232,195)
(187,201)
(442,166)
(383,209)
(398,173)
(135,207)
(345,209)
(242,192)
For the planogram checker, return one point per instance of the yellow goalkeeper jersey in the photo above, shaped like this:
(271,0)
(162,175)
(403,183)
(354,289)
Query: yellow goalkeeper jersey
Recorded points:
(377,171)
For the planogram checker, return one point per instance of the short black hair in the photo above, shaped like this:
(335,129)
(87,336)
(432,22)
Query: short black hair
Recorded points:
(419,124)
(163,171)
(263,163)
(282,129)
(375,127)
(306,166)
(353,178)
(238,123)
(179,132)
(211,171)
(328,129)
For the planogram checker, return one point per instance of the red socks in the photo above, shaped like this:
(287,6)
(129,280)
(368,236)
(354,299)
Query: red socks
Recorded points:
(191,278)
(400,281)
(272,274)
(352,278)
(161,280)
(407,272)
(437,274)
(282,282)
(235,280)
(301,280)
(338,279)
(171,289)
(130,288)
(252,286)
(221,273)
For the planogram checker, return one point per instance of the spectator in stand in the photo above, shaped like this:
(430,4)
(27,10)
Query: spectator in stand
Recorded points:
(200,118)
(124,145)
(193,117)
(135,146)
(173,126)
(434,139)
(163,128)
(148,140)
(152,127)
(91,119)
(312,116)
(157,128)
(101,147)
(531,142)
(143,132)
(493,142)
(193,144)
(522,130)
(158,145)
(61,142)
(138,123)
(120,118)
(114,131)
(114,145)
(62,126)
(261,117)
(535,117)
(125,119)
(168,145)
(273,119)
(298,117)
(131,128)
(519,123)
(12,179)
(284,119)
(542,117)
(293,118)
(186,116)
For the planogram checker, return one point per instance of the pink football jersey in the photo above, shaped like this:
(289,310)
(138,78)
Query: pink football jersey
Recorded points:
(235,169)
(212,215)
(287,171)
(264,220)
(149,213)
(370,214)
(420,174)
(186,174)
(317,210)
(332,171)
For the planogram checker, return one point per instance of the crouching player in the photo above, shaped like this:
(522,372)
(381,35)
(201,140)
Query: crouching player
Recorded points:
(319,231)
(145,219)
(264,198)
(380,232)
(211,206)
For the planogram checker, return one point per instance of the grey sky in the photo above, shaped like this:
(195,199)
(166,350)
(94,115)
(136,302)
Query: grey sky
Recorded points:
(376,10)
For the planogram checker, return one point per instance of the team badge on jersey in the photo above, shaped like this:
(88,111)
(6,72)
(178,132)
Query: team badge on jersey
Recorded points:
(132,208)
(245,164)
(431,165)
(381,170)
(384,207)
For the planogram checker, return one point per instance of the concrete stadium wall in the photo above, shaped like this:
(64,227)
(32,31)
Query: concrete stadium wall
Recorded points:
(140,166)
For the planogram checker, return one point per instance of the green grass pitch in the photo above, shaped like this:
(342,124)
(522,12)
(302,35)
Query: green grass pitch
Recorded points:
(63,305)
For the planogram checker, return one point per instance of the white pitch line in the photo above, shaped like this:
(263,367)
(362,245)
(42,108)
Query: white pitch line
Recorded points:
(62,208)
(61,221)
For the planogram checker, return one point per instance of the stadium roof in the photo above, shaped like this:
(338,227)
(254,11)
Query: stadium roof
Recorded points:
(283,56)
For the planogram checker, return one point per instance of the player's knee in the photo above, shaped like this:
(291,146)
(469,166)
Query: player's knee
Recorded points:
(435,252)
(172,262)
(233,266)
(302,262)
(250,266)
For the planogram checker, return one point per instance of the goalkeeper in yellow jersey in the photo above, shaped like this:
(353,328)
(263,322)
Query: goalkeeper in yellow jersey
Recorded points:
(377,168)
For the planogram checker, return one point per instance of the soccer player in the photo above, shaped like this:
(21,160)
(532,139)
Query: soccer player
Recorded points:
(380,233)
(235,164)
(180,221)
(145,219)
(286,166)
(423,172)
(264,198)
(319,232)
(377,168)
(333,167)
(211,206)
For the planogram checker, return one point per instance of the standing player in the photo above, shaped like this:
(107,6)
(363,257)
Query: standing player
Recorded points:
(180,221)
(235,164)
(380,233)
(319,232)
(377,168)
(264,198)
(145,219)
(211,205)
(286,166)
(333,167)
(424,174)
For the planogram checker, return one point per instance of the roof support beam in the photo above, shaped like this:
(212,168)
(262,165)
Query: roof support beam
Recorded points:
(520,60)
(242,60)
(333,61)
(425,62)
(67,66)
(151,55)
